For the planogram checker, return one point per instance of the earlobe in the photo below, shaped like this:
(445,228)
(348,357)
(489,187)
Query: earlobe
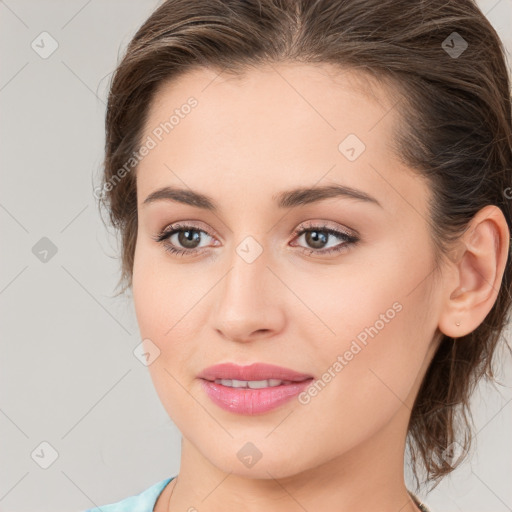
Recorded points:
(476,273)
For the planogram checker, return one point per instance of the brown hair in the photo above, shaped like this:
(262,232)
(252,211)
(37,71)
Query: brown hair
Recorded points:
(455,129)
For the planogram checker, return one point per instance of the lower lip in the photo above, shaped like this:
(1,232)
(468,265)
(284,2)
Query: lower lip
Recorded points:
(252,401)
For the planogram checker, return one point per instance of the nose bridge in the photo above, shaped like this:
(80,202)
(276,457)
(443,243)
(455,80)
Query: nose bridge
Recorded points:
(247,282)
(247,302)
(247,277)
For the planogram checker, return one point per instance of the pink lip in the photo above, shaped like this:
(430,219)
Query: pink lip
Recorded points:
(252,401)
(256,371)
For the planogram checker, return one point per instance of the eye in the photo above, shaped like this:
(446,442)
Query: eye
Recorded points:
(320,236)
(181,239)
(186,239)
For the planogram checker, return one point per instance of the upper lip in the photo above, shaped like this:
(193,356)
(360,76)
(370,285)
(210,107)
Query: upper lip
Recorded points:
(255,371)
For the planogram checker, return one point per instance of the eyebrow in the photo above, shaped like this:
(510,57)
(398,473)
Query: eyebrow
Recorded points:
(287,199)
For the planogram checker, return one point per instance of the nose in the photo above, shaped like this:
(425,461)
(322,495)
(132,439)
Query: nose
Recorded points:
(250,301)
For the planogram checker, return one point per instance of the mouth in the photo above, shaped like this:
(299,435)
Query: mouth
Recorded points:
(253,389)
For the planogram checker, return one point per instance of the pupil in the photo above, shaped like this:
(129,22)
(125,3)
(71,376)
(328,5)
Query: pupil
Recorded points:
(187,237)
(316,238)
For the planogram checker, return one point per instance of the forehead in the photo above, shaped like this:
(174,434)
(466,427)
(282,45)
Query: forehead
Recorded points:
(306,86)
(278,125)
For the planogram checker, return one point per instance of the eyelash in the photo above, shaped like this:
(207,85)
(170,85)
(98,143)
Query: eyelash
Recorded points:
(349,239)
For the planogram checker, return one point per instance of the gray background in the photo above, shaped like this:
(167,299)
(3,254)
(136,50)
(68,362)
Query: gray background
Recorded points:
(68,375)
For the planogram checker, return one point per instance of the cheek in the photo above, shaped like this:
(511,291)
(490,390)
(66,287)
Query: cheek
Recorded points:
(161,294)
(170,301)
(382,333)
(161,302)
(369,370)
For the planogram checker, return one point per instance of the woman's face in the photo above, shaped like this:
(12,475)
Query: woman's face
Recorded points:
(362,310)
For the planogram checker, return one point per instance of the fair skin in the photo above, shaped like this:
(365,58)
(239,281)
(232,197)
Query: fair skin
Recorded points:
(276,129)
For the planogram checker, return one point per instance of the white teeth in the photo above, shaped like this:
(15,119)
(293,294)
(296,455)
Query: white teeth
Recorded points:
(252,384)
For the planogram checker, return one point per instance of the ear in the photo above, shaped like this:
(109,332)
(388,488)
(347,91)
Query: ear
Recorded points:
(475,277)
